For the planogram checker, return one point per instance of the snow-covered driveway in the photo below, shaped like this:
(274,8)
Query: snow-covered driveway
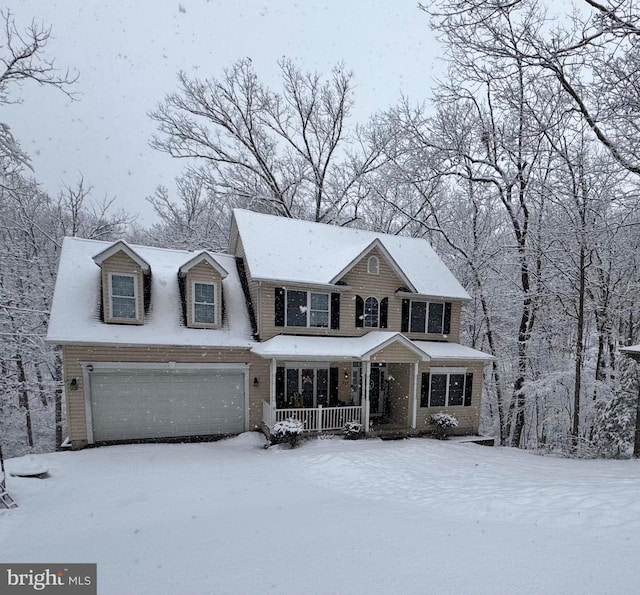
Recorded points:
(332,516)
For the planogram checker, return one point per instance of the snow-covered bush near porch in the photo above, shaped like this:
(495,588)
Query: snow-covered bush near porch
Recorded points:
(287,431)
(444,423)
(353,430)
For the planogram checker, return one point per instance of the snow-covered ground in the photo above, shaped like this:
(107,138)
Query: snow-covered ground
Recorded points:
(332,516)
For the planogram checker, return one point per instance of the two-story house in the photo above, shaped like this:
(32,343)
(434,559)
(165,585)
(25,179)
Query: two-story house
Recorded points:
(327,324)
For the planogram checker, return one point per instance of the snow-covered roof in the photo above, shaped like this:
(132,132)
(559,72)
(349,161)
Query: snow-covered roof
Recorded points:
(281,249)
(441,351)
(294,348)
(632,350)
(75,314)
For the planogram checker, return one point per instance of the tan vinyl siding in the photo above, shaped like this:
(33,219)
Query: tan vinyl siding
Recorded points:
(203,272)
(468,417)
(75,355)
(396,353)
(363,284)
(120,263)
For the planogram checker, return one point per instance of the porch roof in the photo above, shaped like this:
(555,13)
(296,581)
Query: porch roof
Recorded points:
(441,351)
(293,347)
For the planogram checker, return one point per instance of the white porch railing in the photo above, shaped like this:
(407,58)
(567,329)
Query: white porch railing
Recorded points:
(315,419)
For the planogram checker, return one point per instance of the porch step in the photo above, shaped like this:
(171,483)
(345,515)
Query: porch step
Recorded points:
(391,433)
(481,440)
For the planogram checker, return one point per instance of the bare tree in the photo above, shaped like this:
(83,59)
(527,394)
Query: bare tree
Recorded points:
(199,220)
(23,59)
(286,152)
(591,53)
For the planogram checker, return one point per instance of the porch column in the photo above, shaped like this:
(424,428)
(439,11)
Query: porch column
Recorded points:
(272,390)
(416,370)
(366,409)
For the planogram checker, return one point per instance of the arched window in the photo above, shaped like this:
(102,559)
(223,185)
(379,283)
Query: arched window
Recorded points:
(373,266)
(371,309)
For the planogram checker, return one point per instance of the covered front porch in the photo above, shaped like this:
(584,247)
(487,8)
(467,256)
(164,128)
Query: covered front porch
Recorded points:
(326,382)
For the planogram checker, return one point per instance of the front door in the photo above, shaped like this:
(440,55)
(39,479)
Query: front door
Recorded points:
(307,387)
(377,390)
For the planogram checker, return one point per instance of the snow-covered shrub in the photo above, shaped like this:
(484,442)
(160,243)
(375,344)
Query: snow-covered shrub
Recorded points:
(288,431)
(353,430)
(443,423)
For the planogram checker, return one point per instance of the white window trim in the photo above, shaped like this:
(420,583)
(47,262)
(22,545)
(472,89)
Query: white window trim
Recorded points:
(135,295)
(193,303)
(364,312)
(448,372)
(308,309)
(373,269)
(426,317)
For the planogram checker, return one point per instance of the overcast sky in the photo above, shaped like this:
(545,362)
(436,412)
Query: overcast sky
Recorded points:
(127,54)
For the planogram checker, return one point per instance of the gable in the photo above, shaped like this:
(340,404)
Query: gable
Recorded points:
(204,258)
(385,283)
(121,247)
(396,353)
(121,262)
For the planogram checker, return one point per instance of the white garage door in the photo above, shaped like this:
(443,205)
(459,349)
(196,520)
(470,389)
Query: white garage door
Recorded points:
(138,404)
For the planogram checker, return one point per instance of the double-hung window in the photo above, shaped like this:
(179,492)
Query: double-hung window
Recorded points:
(204,303)
(319,310)
(123,296)
(446,387)
(307,309)
(429,317)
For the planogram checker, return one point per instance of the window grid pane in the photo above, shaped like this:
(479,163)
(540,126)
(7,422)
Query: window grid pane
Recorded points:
(123,300)
(456,390)
(436,314)
(204,296)
(122,285)
(438,393)
(371,313)
(418,317)
(123,307)
(296,308)
(204,313)
(204,293)
(319,314)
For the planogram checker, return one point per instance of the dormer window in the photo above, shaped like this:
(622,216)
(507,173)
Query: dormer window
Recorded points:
(201,287)
(124,296)
(373,266)
(204,303)
(126,284)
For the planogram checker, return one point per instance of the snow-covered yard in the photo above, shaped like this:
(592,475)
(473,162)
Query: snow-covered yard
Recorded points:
(332,516)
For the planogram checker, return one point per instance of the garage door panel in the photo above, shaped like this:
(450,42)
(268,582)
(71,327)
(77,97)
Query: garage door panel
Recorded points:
(128,405)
